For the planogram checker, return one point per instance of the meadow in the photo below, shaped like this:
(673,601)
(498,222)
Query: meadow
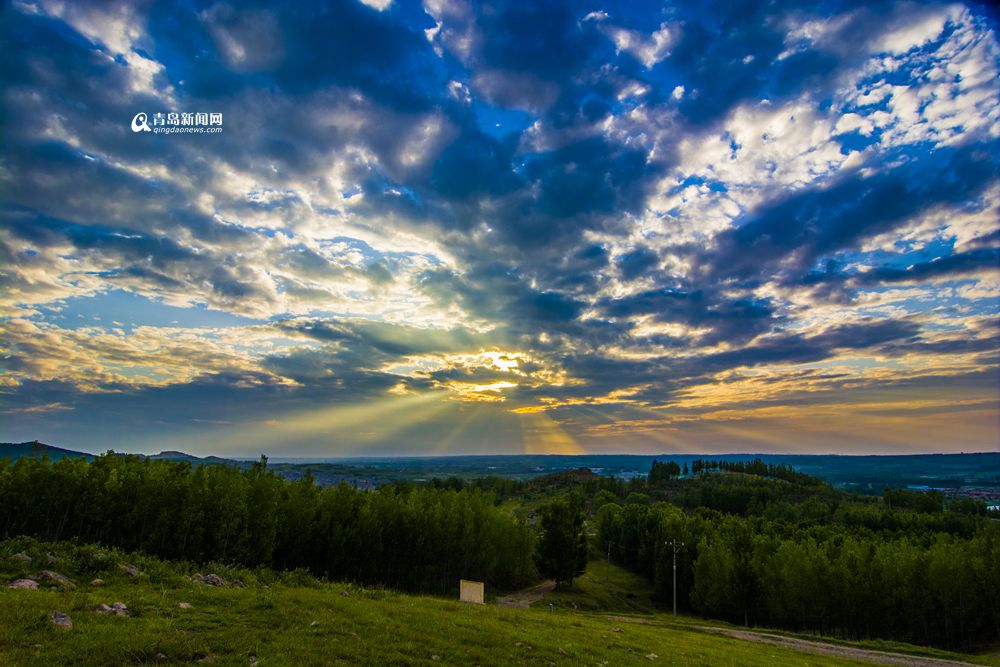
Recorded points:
(295,619)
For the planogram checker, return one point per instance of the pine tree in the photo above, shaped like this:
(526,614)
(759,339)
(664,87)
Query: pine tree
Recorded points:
(562,549)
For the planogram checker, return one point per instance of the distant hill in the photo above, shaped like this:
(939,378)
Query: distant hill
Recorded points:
(36,450)
(176,456)
(171,455)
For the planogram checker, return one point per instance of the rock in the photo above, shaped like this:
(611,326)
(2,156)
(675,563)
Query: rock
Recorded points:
(97,582)
(130,570)
(60,620)
(562,651)
(20,558)
(118,609)
(252,659)
(616,629)
(238,584)
(161,657)
(652,656)
(198,578)
(24,584)
(345,594)
(184,605)
(435,657)
(57,579)
(314,624)
(209,580)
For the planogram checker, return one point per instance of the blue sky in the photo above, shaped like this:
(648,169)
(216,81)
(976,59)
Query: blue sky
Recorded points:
(501,227)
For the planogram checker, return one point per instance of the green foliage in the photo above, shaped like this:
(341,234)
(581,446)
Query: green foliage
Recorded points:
(930,501)
(755,467)
(418,538)
(661,472)
(859,571)
(562,548)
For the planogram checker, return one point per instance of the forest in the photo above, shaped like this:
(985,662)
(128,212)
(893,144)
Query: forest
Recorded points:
(418,539)
(763,545)
(799,555)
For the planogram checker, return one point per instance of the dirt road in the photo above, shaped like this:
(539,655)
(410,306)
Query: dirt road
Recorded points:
(523,599)
(837,650)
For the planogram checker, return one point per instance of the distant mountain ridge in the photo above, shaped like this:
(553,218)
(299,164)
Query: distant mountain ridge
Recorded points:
(977,473)
(35,449)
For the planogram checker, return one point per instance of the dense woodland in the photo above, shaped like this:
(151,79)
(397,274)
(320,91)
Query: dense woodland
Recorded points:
(763,545)
(419,539)
(767,545)
(803,556)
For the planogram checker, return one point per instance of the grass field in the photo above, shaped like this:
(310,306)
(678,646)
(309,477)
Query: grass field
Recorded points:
(291,619)
(604,588)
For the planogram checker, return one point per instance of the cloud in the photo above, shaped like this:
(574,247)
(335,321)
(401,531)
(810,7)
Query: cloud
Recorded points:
(620,218)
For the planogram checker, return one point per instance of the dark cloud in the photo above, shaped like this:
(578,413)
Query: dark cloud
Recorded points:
(297,49)
(476,164)
(952,265)
(800,229)
(799,349)
(637,262)
(731,320)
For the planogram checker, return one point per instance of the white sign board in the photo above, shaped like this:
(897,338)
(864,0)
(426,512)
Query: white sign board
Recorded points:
(473,591)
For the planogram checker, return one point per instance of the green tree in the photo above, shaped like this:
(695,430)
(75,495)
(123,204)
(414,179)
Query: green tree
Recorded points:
(562,550)
(661,472)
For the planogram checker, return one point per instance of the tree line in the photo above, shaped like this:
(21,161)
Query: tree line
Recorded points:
(858,571)
(755,467)
(419,539)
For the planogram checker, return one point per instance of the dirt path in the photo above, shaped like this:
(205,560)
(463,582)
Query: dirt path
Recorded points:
(837,650)
(523,599)
(821,648)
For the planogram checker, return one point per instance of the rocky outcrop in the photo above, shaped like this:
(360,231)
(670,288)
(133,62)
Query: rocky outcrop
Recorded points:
(118,609)
(60,620)
(56,579)
(209,580)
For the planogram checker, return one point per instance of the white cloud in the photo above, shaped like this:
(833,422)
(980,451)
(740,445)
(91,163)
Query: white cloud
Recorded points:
(647,49)
(914,26)
(380,5)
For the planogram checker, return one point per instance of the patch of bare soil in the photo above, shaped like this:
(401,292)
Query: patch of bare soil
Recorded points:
(523,599)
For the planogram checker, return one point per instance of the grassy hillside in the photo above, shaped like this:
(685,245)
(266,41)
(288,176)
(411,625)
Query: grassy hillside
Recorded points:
(291,619)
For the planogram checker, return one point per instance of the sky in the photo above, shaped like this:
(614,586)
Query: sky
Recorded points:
(500,227)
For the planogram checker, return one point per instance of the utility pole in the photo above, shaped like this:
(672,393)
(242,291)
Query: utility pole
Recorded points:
(607,564)
(676,547)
